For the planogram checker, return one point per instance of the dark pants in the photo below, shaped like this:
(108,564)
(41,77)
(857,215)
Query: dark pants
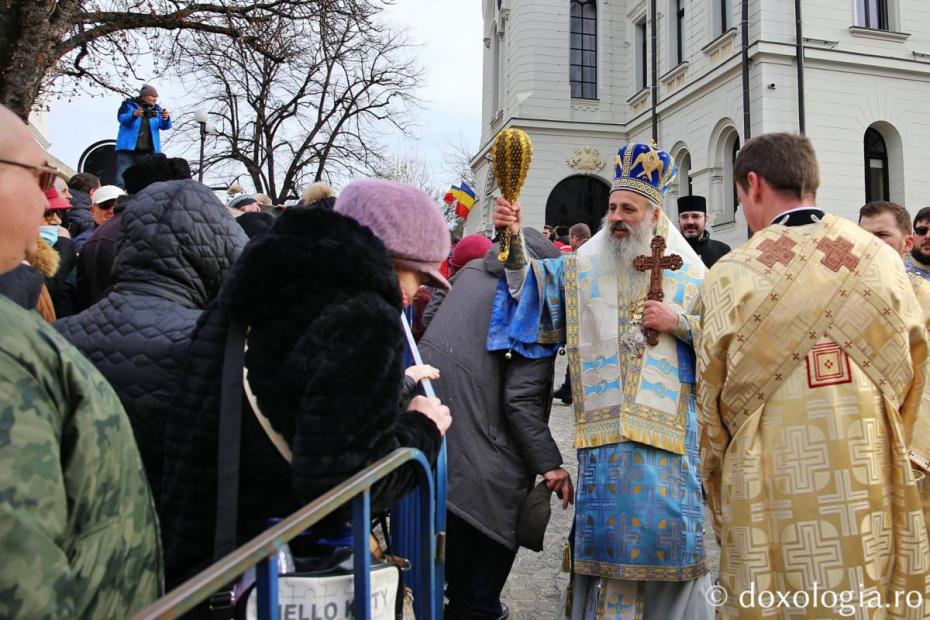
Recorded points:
(476,571)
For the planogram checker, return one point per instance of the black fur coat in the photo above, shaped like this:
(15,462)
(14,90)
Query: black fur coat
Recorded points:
(322,303)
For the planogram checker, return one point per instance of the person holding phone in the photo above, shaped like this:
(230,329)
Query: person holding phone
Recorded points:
(140,121)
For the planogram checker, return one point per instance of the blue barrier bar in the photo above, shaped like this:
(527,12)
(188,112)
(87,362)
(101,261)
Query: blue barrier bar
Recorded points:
(407,535)
(361,520)
(266,580)
(262,550)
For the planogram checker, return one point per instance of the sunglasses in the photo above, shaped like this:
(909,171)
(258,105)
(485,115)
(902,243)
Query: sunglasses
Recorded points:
(920,231)
(45,175)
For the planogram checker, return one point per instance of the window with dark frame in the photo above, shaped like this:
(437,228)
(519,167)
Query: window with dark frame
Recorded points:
(724,15)
(641,55)
(876,167)
(583,66)
(872,14)
(680,30)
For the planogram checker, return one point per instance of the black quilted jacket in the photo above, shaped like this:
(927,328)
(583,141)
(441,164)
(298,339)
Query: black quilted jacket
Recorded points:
(177,245)
(321,299)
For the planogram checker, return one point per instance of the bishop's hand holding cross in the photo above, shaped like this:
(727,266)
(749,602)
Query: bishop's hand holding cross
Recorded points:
(655,264)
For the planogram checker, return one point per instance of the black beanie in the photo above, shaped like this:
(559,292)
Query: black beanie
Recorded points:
(180,169)
(692,203)
(148,169)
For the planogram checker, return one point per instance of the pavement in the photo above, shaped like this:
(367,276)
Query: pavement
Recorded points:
(536,584)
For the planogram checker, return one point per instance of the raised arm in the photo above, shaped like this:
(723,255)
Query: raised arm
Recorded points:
(517,266)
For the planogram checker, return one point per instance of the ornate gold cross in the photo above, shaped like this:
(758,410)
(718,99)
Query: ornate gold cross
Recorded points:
(655,264)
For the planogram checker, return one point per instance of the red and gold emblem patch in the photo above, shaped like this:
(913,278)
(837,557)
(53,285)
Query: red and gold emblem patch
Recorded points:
(828,364)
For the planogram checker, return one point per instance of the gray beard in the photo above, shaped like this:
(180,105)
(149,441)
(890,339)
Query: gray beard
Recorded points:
(624,251)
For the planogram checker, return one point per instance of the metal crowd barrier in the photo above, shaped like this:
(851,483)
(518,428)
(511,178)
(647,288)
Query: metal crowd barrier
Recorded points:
(261,550)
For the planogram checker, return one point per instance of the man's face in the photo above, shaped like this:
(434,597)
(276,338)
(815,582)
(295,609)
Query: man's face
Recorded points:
(692,224)
(150,99)
(886,229)
(921,249)
(100,214)
(626,210)
(22,201)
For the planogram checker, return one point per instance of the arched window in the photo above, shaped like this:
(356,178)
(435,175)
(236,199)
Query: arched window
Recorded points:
(684,174)
(730,164)
(583,65)
(579,199)
(876,167)
(730,147)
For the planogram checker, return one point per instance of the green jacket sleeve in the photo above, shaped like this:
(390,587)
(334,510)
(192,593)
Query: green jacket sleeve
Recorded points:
(33,504)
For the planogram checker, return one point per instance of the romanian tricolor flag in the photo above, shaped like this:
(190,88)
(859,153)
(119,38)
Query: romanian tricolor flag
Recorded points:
(462,197)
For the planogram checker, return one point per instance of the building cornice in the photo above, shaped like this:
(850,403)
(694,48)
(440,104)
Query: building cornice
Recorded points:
(882,63)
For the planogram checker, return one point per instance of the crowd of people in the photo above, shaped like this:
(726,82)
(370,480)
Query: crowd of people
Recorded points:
(781,384)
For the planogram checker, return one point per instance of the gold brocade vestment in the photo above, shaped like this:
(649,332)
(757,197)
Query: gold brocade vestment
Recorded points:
(810,373)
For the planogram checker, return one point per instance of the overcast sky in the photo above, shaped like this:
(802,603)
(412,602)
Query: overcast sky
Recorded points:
(449,34)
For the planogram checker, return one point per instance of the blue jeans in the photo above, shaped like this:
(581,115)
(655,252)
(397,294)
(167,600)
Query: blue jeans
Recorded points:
(125,159)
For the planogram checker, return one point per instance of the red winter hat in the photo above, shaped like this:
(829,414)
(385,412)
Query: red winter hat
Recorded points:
(469,248)
(55,202)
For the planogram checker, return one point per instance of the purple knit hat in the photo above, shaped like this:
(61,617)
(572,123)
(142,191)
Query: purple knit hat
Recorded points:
(405,219)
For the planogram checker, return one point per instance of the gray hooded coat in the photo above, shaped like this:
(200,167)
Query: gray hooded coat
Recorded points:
(500,437)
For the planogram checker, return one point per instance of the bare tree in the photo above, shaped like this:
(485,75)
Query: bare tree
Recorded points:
(412,170)
(104,41)
(457,158)
(314,116)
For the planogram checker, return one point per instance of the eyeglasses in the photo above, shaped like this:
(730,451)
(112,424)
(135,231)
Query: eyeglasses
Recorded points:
(920,231)
(46,175)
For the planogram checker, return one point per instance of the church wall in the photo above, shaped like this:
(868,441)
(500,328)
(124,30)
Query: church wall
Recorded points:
(841,110)
(552,149)
(852,82)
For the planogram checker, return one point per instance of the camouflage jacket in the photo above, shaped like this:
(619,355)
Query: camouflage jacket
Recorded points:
(78,531)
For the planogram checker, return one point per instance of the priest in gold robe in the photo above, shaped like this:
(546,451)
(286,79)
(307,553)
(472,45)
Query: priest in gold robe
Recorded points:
(891,223)
(810,373)
(639,516)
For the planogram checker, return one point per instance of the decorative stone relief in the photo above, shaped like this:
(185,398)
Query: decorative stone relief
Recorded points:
(586,159)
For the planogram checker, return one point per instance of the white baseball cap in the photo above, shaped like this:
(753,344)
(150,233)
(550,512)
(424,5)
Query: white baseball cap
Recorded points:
(107,192)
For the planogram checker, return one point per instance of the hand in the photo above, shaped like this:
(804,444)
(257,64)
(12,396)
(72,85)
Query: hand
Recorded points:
(422,371)
(433,409)
(660,317)
(63,232)
(252,208)
(560,481)
(165,114)
(506,214)
(137,113)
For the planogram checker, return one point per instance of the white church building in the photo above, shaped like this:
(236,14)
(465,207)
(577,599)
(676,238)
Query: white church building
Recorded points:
(583,77)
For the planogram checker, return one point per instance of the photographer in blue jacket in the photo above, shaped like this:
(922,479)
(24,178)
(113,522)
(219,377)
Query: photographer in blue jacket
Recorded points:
(140,120)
